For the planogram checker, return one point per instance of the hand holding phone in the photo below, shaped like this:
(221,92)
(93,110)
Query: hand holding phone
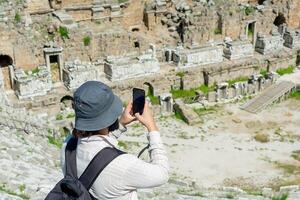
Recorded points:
(138,101)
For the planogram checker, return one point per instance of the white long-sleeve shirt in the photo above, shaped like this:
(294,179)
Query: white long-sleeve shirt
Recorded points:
(126,173)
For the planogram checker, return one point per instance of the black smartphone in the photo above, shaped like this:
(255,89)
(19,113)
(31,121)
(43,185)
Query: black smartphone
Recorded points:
(138,100)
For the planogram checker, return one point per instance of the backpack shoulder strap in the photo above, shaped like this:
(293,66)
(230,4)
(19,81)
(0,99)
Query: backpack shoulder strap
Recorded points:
(70,158)
(96,166)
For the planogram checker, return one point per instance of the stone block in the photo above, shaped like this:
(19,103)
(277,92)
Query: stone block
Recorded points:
(238,49)
(292,39)
(126,67)
(266,44)
(185,58)
(212,96)
(189,115)
(231,93)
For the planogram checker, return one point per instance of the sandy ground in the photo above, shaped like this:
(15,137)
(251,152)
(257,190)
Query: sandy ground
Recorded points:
(223,151)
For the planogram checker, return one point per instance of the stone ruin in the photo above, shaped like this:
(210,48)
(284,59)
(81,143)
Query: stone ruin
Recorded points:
(118,68)
(266,44)
(238,49)
(196,56)
(292,39)
(31,84)
(76,73)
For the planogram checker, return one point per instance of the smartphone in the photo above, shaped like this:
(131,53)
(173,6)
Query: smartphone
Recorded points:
(138,100)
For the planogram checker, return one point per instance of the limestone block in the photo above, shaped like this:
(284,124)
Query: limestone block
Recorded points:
(185,58)
(31,85)
(269,44)
(189,115)
(212,96)
(121,68)
(238,50)
(231,93)
(292,39)
(77,72)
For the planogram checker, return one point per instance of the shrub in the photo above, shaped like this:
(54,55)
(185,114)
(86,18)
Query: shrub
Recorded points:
(55,141)
(154,99)
(263,138)
(264,73)
(64,33)
(18,18)
(295,95)
(249,10)
(59,117)
(180,74)
(217,31)
(289,70)
(87,41)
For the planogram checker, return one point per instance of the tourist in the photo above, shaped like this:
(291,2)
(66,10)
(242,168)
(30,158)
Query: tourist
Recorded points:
(99,121)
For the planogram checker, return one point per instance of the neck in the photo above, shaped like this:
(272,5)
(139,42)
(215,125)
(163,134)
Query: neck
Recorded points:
(104,131)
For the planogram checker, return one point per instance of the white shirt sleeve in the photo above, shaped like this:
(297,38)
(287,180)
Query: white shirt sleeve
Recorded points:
(141,174)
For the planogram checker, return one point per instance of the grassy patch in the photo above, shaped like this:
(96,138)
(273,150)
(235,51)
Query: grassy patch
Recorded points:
(122,145)
(154,99)
(59,117)
(183,93)
(189,192)
(263,138)
(206,89)
(249,10)
(55,141)
(289,70)
(63,32)
(87,41)
(204,111)
(5,189)
(18,18)
(288,168)
(239,79)
(264,73)
(217,31)
(295,95)
(282,197)
(296,155)
(71,115)
(122,1)
(179,116)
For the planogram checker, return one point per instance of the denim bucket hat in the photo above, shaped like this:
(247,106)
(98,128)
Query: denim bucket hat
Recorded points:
(96,106)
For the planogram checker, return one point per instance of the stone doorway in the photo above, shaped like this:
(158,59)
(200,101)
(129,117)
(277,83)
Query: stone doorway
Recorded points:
(251,31)
(5,62)
(54,66)
(54,60)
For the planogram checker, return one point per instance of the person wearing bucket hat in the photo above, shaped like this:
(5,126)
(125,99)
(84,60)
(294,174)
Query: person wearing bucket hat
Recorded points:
(99,121)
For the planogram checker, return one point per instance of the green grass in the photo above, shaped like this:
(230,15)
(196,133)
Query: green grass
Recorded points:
(123,145)
(239,79)
(264,73)
(180,74)
(71,115)
(206,89)
(35,70)
(154,99)
(282,197)
(63,32)
(59,117)
(122,1)
(183,93)
(249,10)
(87,41)
(289,70)
(204,111)
(5,189)
(295,95)
(189,192)
(18,18)
(217,31)
(55,141)
(179,116)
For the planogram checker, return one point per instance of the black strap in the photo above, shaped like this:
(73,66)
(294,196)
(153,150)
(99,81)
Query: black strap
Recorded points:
(70,158)
(96,166)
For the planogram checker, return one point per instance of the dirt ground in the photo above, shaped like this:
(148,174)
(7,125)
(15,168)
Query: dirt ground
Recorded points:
(233,147)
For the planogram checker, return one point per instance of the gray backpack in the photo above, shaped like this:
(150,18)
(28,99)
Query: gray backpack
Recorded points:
(73,188)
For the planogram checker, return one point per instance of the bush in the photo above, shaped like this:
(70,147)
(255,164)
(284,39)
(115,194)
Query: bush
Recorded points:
(154,100)
(295,95)
(264,73)
(249,10)
(87,41)
(59,117)
(18,18)
(64,33)
(263,138)
(289,70)
(55,141)
(218,31)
